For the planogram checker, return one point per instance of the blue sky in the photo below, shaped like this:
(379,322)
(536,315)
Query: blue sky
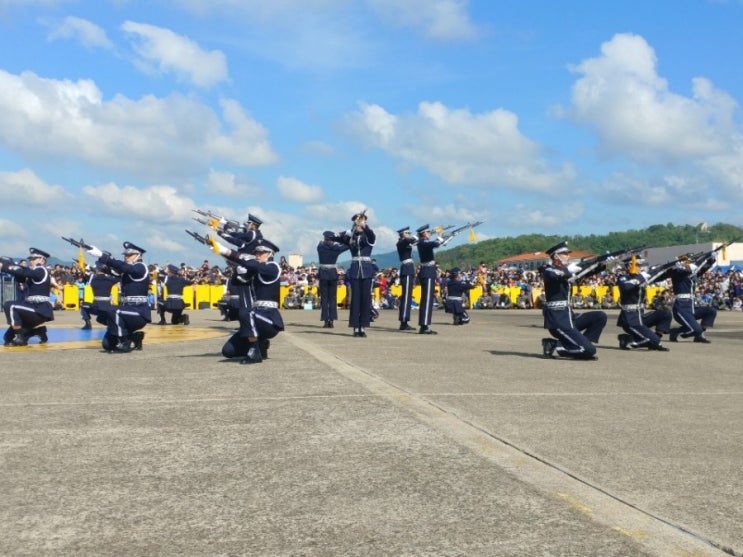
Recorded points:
(118,117)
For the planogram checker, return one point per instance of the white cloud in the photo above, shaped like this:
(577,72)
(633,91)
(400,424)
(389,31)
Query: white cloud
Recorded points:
(24,187)
(9,230)
(158,203)
(84,31)
(169,52)
(462,148)
(226,183)
(154,137)
(633,112)
(297,191)
(528,217)
(436,19)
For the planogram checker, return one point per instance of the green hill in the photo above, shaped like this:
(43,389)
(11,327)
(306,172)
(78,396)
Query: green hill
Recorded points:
(466,256)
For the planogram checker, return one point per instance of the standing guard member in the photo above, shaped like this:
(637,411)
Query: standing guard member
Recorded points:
(575,334)
(456,288)
(133,312)
(632,284)
(25,317)
(101,282)
(259,316)
(683,282)
(407,275)
(173,303)
(360,239)
(427,277)
(328,251)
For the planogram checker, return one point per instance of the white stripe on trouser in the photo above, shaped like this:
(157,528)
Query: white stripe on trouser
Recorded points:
(426,305)
(15,307)
(119,330)
(577,348)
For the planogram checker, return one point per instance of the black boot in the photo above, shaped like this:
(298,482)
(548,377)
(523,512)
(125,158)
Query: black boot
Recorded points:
(263,345)
(253,356)
(87,325)
(137,338)
(21,338)
(548,347)
(425,330)
(624,341)
(185,319)
(41,333)
(405,327)
(124,345)
(9,336)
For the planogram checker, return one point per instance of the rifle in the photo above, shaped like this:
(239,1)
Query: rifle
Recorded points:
(216,221)
(594,265)
(199,238)
(78,244)
(448,236)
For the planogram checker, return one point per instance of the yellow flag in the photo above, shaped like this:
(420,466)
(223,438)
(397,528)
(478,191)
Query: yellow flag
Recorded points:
(81,260)
(472,234)
(723,254)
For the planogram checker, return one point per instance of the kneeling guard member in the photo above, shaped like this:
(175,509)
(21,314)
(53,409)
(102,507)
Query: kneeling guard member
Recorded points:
(259,316)
(26,317)
(173,303)
(574,335)
(126,320)
(456,288)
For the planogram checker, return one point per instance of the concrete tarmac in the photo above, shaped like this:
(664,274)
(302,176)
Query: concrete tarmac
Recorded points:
(465,443)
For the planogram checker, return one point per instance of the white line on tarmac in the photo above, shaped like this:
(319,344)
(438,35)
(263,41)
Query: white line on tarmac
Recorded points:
(652,533)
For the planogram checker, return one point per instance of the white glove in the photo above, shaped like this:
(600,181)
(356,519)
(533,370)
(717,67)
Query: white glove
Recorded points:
(645,274)
(574,268)
(94,251)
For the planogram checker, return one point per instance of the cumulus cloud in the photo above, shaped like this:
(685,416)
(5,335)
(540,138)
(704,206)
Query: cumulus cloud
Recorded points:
(436,19)
(154,137)
(158,203)
(85,32)
(462,148)
(528,217)
(167,52)
(24,187)
(631,109)
(226,183)
(296,190)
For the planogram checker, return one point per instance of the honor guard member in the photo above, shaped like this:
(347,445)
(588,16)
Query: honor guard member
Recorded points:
(174,283)
(405,245)
(101,282)
(456,290)
(259,316)
(686,313)
(328,251)
(632,284)
(245,238)
(574,334)
(126,320)
(426,277)
(360,239)
(26,317)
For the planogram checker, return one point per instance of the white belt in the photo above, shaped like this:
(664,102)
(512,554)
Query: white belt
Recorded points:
(174,297)
(428,264)
(632,307)
(361,258)
(37,299)
(327,265)
(559,304)
(684,296)
(134,300)
(265,304)
(234,297)
(101,298)
(406,261)
(453,297)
